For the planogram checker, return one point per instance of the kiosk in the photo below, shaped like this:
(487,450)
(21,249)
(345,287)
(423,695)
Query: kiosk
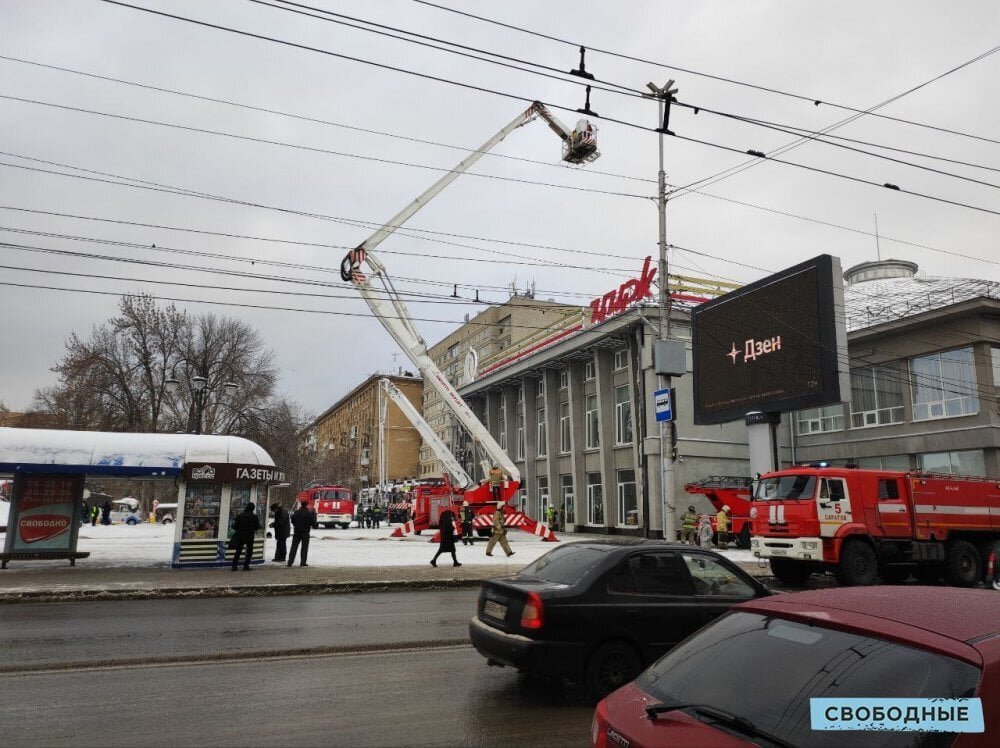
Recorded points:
(216,477)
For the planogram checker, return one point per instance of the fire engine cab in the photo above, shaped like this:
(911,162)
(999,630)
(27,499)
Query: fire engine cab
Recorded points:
(334,505)
(865,524)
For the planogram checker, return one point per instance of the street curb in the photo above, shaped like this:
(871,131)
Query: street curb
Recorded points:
(260,590)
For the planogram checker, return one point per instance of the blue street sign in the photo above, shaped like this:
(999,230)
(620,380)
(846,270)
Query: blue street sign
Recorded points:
(663,405)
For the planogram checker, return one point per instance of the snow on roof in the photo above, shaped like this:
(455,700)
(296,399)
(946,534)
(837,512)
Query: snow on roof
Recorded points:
(95,452)
(873,302)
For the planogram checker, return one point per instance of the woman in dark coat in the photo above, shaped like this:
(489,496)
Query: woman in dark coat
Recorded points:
(447,545)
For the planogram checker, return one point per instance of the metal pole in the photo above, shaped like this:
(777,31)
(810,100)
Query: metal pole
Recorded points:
(666,449)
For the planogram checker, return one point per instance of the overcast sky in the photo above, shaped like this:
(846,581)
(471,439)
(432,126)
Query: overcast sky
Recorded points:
(602,222)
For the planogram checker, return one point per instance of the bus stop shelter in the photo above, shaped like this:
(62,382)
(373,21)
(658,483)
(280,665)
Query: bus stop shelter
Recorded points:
(216,477)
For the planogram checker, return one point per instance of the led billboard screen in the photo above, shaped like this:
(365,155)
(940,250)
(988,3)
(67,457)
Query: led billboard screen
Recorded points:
(778,344)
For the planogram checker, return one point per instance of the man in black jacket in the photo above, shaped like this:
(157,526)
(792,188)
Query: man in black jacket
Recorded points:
(282,529)
(303,520)
(245,527)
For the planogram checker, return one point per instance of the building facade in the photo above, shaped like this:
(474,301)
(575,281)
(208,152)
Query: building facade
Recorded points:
(925,376)
(346,442)
(490,335)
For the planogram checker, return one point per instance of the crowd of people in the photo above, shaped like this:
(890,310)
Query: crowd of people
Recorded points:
(696,529)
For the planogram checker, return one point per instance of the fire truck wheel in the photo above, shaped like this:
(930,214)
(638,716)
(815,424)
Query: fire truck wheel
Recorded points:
(743,539)
(963,567)
(792,573)
(858,565)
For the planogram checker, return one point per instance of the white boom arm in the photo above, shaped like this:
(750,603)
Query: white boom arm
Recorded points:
(462,478)
(579,146)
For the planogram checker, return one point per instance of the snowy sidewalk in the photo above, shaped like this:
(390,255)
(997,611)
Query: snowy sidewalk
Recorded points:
(134,561)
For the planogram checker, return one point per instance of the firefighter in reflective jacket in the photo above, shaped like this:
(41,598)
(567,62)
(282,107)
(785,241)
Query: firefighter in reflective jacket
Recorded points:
(722,528)
(689,526)
(496,482)
(499,533)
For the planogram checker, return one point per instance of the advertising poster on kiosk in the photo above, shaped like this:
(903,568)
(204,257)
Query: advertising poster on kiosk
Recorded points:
(45,513)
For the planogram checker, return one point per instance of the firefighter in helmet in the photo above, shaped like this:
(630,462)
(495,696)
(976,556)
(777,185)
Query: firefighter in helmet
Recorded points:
(689,526)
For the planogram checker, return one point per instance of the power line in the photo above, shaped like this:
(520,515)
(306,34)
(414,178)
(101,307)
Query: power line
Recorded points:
(811,99)
(320,121)
(483,89)
(311,149)
(818,137)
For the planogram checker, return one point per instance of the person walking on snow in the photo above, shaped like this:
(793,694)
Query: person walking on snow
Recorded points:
(447,543)
(705,532)
(245,526)
(303,520)
(499,533)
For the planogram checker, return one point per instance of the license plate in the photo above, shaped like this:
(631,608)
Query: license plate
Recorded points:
(779,552)
(495,610)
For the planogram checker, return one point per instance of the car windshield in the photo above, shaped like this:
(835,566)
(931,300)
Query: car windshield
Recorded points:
(564,565)
(786,487)
(766,669)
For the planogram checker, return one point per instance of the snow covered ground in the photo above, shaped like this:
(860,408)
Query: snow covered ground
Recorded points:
(149,545)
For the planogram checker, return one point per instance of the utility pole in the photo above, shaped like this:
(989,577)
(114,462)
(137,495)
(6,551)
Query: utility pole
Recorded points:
(664,96)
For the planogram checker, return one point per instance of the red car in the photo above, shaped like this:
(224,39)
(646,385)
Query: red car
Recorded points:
(747,678)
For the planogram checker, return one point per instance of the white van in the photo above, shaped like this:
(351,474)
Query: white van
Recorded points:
(166,513)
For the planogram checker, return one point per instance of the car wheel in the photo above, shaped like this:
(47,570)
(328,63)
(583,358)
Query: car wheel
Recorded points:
(743,539)
(963,567)
(792,573)
(343,526)
(994,551)
(131,522)
(168,521)
(611,666)
(858,565)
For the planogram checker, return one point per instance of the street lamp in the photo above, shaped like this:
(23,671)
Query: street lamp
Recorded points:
(200,391)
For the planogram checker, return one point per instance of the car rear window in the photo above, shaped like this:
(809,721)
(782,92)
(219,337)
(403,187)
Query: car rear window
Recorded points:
(564,565)
(766,669)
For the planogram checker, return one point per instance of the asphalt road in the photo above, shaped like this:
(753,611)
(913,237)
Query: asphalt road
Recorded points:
(56,634)
(433,697)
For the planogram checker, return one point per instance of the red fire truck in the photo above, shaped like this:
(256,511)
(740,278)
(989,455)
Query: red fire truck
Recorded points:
(736,492)
(334,505)
(865,524)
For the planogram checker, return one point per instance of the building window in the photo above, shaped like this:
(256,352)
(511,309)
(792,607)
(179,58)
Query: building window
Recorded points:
(564,379)
(621,359)
(628,504)
(595,499)
(888,462)
(540,388)
(588,371)
(543,442)
(944,385)
(566,487)
(969,462)
(623,416)
(876,396)
(520,436)
(593,423)
(817,420)
(995,359)
(543,497)
(520,394)
(565,433)
(502,427)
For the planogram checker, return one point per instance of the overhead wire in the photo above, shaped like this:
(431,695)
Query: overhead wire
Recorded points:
(484,89)
(723,79)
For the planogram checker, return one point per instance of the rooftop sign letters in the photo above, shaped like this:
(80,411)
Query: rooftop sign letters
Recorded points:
(631,291)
